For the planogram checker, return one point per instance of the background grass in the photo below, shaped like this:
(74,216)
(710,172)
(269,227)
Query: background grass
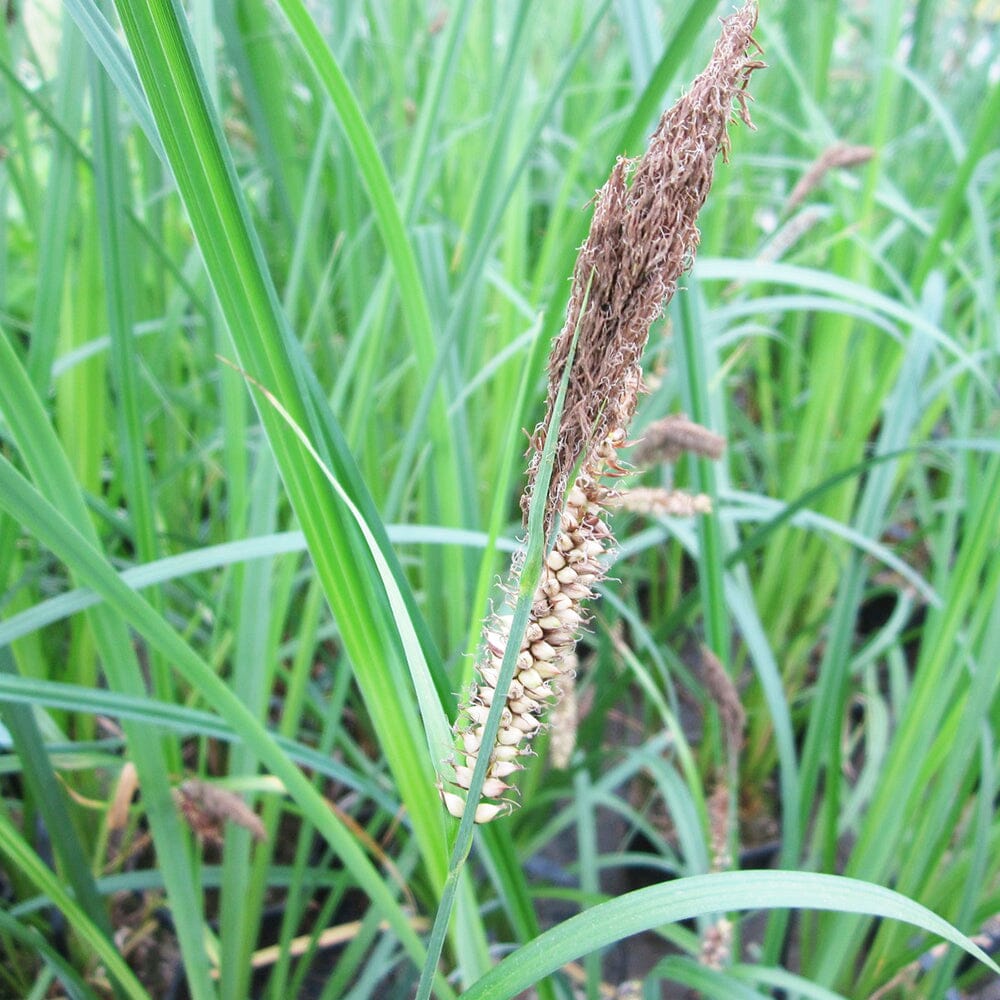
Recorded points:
(372,209)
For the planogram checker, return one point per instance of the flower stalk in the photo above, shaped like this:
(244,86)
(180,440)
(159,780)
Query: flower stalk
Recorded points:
(642,238)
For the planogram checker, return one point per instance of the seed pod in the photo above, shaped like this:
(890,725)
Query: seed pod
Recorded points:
(548,669)
(541,650)
(524,705)
(526,723)
(486,812)
(493,788)
(531,679)
(504,769)
(510,737)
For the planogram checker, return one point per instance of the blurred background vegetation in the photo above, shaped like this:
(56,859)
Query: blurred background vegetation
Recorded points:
(373,208)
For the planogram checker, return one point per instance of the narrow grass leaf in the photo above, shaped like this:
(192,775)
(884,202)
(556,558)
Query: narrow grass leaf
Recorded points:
(41,452)
(436,727)
(73,983)
(47,794)
(38,516)
(117,63)
(183,719)
(697,896)
(21,856)
(208,184)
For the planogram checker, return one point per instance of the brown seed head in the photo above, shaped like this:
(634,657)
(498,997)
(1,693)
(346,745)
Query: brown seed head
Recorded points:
(642,238)
(667,439)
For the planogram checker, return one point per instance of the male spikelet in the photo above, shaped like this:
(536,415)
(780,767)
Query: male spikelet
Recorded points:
(642,238)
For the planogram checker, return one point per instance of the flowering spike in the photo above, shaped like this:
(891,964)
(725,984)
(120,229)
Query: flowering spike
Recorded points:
(642,237)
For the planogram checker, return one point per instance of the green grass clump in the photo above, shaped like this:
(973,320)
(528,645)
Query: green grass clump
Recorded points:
(277,289)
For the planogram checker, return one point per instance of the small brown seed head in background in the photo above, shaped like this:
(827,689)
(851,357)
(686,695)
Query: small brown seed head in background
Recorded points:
(665,440)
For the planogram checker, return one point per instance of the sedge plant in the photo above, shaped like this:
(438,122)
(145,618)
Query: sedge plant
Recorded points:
(277,285)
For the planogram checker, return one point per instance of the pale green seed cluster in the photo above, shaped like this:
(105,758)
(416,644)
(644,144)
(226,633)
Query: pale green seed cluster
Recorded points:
(571,571)
(663,503)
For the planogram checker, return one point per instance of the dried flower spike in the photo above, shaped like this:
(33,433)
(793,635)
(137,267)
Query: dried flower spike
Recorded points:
(642,238)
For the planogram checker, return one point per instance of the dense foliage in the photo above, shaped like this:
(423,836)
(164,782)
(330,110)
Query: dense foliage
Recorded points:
(277,286)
